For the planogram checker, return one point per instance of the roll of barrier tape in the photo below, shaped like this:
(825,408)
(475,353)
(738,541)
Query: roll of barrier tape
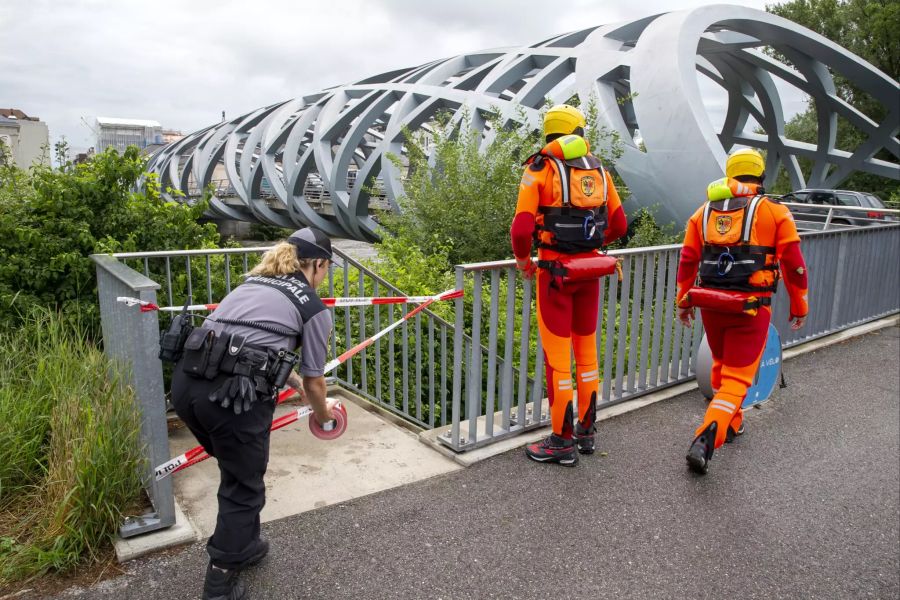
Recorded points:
(333,429)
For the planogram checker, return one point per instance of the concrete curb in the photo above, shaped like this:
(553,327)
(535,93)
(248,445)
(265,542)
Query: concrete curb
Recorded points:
(430,438)
(837,338)
(182,532)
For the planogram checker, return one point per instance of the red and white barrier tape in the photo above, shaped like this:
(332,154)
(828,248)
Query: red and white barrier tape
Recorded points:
(335,302)
(197,454)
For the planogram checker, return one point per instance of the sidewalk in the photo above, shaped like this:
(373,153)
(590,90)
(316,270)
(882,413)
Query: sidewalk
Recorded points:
(805,505)
(305,473)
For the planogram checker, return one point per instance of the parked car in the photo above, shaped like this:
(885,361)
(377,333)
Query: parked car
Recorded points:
(839,198)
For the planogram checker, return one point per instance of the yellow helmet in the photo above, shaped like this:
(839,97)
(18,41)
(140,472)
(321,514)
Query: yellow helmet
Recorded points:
(745,161)
(563,119)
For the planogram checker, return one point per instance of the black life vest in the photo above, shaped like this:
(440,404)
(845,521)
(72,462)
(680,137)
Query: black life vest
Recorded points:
(579,223)
(729,260)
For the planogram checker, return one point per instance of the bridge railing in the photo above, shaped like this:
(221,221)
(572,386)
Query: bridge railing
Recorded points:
(854,276)
(430,372)
(406,372)
(823,217)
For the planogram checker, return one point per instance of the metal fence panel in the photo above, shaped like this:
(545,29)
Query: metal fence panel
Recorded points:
(130,338)
(854,277)
(485,369)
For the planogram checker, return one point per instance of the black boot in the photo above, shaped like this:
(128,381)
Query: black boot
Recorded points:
(731,434)
(553,449)
(584,438)
(222,584)
(585,430)
(701,450)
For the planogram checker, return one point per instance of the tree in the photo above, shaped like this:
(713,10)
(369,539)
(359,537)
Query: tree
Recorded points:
(458,198)
(53,219)
(461,196)
(866,28)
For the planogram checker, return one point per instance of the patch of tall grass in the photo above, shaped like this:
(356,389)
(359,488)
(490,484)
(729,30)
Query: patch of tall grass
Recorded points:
(69,448)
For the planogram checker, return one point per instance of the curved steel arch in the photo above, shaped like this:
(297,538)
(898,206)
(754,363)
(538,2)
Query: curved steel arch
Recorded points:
(337,143)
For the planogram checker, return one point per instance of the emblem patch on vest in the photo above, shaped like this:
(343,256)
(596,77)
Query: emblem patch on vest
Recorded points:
(723,224)
(587,185)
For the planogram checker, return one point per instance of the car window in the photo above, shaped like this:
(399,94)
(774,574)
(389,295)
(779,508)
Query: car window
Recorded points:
(848,199)
(873,201)
(796,197)
(821,198)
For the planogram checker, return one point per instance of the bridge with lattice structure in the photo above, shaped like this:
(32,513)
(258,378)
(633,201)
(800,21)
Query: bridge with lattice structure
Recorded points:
(325,159)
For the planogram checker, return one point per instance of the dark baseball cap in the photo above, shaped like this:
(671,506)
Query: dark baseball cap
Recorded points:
(311,243)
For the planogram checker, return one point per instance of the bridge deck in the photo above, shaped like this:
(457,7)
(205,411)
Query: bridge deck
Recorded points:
(805,505)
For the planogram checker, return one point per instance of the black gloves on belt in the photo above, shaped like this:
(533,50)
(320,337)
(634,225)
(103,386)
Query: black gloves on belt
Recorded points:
(238,392)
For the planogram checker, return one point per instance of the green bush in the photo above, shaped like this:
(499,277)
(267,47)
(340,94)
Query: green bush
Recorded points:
(52,220)
(268,233)
(69,448)
(644,231)
(460,196)
(868,28)
(459,203)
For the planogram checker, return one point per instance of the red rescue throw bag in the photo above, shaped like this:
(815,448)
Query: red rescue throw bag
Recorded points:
(587,267)
(724,301)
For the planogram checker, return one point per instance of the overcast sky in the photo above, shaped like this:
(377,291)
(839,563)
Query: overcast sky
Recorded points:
(182,62)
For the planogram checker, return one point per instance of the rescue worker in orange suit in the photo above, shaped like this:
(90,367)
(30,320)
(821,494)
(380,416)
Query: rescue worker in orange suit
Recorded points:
(742,243)
(568,204)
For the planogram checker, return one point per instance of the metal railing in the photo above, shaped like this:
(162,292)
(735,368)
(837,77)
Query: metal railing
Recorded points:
(407,372)
(639,345)
(392,373)
(131,338)
(854,277)
(313,190)
(823,217)
(476,367)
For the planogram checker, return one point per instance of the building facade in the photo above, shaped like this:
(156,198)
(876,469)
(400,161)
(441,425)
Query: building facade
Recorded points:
(25,139)
(121,133)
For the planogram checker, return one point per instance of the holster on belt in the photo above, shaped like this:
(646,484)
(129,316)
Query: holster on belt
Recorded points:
(569,269)
(249,368)
(197,351)
(724,301)
(208,355)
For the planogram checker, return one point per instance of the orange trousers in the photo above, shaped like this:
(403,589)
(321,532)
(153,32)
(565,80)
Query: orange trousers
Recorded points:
(567,319)
(737,342)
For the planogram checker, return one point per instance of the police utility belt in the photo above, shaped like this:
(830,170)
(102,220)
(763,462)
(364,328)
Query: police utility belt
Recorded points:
(205,355)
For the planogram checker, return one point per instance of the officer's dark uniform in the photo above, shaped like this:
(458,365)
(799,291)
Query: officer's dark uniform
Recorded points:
(240,442)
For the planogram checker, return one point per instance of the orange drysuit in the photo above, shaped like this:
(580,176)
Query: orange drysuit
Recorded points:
(739,241)
(567,311)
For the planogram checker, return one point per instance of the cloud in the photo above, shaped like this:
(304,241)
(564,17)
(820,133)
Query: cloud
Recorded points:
(182,63)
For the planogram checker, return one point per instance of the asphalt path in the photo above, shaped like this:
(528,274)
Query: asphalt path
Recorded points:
(806,504)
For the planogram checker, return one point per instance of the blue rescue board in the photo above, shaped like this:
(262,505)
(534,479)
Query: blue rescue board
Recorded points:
(766,377)
(769,371)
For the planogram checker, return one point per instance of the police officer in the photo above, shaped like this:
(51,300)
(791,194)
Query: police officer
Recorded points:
(223,391)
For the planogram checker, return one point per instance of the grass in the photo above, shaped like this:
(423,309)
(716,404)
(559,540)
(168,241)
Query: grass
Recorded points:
(69,449)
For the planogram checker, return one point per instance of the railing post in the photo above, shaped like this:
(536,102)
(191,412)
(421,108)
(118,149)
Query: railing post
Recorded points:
(838,294)
(473,383)
(131,338)
(457,361)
